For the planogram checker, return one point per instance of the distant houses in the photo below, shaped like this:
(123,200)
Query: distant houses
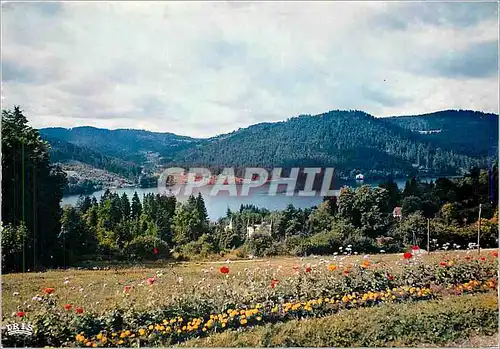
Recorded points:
(263,228)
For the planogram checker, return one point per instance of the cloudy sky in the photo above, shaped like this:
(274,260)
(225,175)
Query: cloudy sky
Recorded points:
(201,68)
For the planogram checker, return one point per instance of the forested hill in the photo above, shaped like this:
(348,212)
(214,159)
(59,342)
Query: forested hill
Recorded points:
(349,141)
(468,132)
(62,151)
(126,144)
(442,143)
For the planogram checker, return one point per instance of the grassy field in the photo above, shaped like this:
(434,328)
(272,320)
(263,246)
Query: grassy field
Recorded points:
(103,290)
(262,301)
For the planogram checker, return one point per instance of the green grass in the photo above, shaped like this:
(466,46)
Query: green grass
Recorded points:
(392,325)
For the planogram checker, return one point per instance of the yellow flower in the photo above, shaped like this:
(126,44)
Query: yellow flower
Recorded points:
(332,267)
(104,340)
(99,336)
(179,331)
(223,325)
(150,327)
(121,341)
(259,318)
(94,345)
(243,321)
(142,332)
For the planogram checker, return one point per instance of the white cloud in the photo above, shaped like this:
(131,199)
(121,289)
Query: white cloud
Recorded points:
(202,68)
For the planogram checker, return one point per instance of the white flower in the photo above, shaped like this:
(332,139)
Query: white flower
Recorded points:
(382,251)
(15,294)
(66,282)
(335,253)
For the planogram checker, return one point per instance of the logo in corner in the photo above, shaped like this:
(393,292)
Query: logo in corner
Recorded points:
(21,329)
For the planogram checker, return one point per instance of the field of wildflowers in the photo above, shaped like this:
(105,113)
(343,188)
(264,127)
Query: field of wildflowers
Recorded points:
(144,307)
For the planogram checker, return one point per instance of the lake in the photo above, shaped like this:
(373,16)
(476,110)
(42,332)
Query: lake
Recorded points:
(217,205)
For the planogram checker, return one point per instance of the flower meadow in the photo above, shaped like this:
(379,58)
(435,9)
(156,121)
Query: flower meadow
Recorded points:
(177,305)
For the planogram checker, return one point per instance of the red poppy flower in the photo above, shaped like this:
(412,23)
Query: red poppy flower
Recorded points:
(443,264)
(274,282)
(407,255)
(308,269)
(495,253)
(49,290)
(415,248)
(20,313)
(468,258)
(126,288)
(483,259)
(156,250)
(151,281)
(68,306)
(79,310)
(224,270)
(390,277)
(346,272)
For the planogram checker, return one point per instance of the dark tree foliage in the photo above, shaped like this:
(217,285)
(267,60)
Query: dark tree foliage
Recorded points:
(31,193)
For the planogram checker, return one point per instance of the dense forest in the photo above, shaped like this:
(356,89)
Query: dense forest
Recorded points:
(349,141)
(466,132)
(62,151)
(129,145)
(37,233)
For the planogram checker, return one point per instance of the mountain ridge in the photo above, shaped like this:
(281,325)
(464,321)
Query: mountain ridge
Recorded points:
(347,139)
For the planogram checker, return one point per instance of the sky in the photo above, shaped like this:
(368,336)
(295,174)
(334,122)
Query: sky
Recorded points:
(204,68)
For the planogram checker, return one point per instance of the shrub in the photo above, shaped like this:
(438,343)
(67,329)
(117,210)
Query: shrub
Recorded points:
(142,247)
(258,243)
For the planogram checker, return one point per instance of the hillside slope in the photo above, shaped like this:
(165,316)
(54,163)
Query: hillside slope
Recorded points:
(349,141)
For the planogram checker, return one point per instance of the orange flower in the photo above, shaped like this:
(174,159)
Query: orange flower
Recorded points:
(49,290)
(79,310)
(451,263)
(332,267)
(67,306)
(224,270)
(366,263)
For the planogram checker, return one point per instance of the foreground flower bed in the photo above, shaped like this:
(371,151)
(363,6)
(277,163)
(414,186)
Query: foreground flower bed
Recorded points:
(419,324)
(178,329)
(311,291)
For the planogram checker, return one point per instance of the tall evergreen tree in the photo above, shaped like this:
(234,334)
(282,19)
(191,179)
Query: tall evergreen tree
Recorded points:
(32,190)
(136,206)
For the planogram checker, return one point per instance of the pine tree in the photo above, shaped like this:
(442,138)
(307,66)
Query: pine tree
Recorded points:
(32,190)
(136,206)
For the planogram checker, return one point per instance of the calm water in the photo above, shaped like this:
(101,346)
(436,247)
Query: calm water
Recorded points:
(217,205)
